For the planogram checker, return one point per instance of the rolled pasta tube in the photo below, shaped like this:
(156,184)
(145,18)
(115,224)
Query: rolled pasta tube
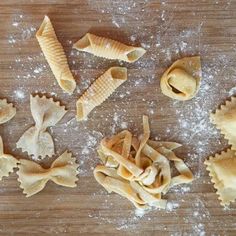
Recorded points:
(100,90)
(55,55)
(108,48)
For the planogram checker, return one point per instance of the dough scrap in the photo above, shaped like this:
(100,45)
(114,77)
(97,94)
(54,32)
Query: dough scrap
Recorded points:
(181,81)
(33,177)
(139,169)
(7,162)
(108,48)
(222,170)
(225,120)
(7,111)
(36,140)
(55,55)
(100,90)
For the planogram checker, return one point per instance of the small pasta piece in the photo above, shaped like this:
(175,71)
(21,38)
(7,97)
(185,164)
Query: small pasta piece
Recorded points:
(7,111)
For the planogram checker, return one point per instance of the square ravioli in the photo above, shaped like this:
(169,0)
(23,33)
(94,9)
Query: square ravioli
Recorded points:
(222,168)
(225,119)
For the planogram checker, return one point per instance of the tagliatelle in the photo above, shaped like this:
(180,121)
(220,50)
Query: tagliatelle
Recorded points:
(139,169)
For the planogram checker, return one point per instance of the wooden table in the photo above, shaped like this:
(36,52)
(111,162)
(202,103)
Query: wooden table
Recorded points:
(168,30)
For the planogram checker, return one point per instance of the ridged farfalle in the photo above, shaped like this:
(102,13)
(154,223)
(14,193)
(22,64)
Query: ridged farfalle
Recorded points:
(7,111)
(55,55)
(139,169)
(33,177)
(100,90)
(37,141)
(108,48)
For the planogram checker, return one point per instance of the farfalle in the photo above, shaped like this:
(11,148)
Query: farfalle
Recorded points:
(7,111)
(36,140)
(7,162)
(33,177)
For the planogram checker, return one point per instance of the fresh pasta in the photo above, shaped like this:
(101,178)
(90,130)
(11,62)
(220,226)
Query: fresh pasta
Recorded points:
(7,111)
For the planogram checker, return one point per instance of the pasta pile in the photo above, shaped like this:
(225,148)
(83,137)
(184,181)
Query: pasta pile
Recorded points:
(139,168)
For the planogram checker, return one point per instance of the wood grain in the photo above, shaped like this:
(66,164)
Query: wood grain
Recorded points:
(169,30)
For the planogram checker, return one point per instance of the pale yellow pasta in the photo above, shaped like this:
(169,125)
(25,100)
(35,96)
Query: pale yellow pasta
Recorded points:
(100,90)
(7,111)
(33,177)
(55,55)
(108,48)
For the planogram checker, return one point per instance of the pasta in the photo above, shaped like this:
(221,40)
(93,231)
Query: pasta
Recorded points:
(182,79)
(108,48)
(7,111)
(139,169)
(36,140)
(100,90)
(33,177)
(55,56)
(7,162)
(222,170)
(225,120)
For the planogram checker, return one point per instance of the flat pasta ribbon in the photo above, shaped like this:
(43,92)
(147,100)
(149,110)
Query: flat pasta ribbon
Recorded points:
(7,162)
(33,177)
(55,55)
(36,140)
(139,168)
(7,111)
(100,90)
(108,48)
(182,79)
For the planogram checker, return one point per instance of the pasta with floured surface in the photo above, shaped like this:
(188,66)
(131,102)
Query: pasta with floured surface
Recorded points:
(139,169)
(108,48)
(7,111)
(100,90)
(55,55)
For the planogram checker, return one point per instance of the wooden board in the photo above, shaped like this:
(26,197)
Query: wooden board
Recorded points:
(168,30)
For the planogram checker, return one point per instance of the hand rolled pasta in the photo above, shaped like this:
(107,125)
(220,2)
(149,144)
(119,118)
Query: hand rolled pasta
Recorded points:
(7,111)
(55,55)
(108,48)
(182,79)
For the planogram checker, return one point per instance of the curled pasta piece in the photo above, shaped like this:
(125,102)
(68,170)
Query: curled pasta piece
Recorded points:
(7,111)
(182,79)
(108,48)
(100,90)
(36,140)
(139,169)
(7,162)
(55,55)
(33,177)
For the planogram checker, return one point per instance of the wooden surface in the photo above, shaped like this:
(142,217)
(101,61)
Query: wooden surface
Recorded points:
(169,30)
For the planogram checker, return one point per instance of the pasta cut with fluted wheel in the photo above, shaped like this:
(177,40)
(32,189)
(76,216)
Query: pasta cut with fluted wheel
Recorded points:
(36,140)
(139,168)
(7,162)
(55,55)
(100,90)
(108,48)
(33,177)
(7,111)
(181,81)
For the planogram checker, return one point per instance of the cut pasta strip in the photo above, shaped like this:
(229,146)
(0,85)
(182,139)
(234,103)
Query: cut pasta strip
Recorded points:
(222,170)
(55,55)
(33,177)
(7,162)
(139,169)
(7,111)
(100,90)
(108,48)
(36,140)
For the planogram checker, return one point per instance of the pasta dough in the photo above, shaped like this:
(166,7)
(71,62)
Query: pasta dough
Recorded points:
(7,111)
(139,169)
(182,79)
(36,140)
(100,90)
(108,48)
(7,162)
(55,56)
(225,120)
(222,168)
(33,177)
